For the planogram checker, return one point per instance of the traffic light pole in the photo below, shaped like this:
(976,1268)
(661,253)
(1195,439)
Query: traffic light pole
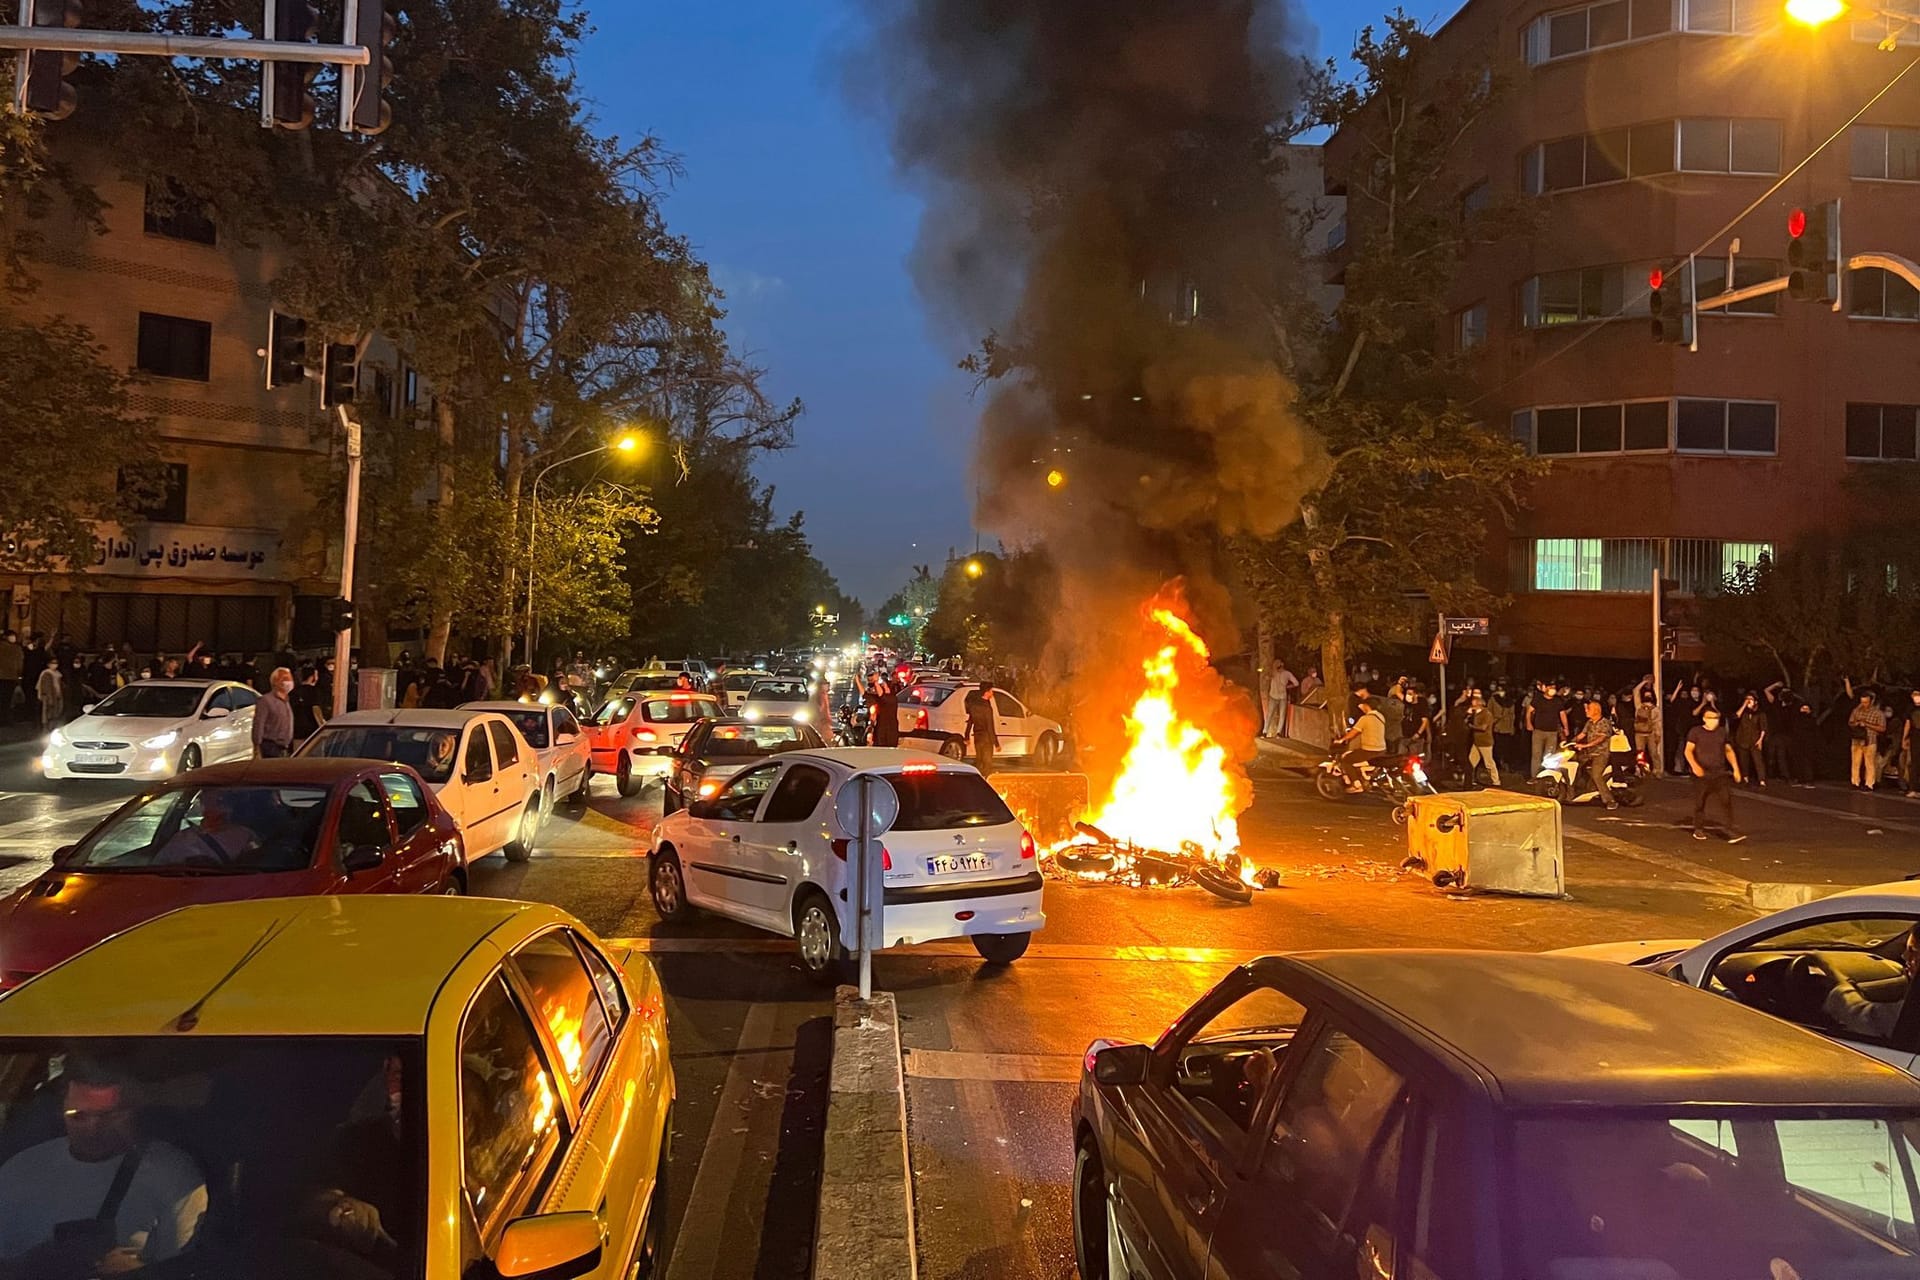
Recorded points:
(343,641)
(1659,691)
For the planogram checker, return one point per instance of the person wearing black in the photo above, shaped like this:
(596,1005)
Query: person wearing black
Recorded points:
(1547,722)
(1715,769)
(981,733)
(308,714)
(883,714)
(1750,739)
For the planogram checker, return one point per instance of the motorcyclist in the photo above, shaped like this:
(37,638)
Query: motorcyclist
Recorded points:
(1368,734)
(1592,746)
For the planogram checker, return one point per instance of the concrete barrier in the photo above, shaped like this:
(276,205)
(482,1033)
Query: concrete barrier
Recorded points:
(864,1228)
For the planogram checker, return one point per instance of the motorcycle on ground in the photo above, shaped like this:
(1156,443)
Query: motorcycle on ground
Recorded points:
(1563,778)
(1395,779)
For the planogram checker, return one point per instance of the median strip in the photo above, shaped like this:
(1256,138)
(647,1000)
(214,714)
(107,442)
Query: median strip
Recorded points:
(864,1229)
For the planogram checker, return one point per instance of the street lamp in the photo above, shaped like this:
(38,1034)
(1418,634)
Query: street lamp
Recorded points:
(975,568)
(1815,13)
(627,443)
(1056,478)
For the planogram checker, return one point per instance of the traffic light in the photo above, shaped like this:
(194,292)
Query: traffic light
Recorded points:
(1669,642)
(340,376)
(48,91)
(1813,253)
(289,85)
(368,111)
(339,614)
(1670,303)
(286,350)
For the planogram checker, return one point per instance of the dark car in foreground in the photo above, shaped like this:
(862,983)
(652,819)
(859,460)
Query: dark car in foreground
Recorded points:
(255,829)
(719,747)
(1485,1116)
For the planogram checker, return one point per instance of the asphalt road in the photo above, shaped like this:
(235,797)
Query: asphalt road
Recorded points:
(991,1054)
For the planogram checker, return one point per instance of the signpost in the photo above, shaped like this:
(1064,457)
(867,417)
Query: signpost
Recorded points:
(867,808)
(1445,629)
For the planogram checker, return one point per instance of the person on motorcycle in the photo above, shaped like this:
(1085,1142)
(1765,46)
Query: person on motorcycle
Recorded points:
(1369,734)
(1592,745)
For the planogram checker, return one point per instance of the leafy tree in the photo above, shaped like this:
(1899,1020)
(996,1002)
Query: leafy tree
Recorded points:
(916,601)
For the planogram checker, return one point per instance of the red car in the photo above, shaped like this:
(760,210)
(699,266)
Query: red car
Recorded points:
(251,829)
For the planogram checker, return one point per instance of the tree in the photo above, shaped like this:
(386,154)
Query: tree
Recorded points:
(62,409)
(1396,528)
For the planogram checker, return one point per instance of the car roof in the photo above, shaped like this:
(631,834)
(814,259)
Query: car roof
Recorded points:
(184,682)
(414,717)
(1558,1031)
(367,965)
(503,705)
(288,770)
(860,759)
(1897,895)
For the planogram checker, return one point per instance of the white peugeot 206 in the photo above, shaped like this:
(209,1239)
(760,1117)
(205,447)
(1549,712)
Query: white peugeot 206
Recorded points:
(767,850)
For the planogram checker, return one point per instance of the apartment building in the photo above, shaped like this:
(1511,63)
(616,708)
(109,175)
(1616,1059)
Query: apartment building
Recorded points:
(1648,130)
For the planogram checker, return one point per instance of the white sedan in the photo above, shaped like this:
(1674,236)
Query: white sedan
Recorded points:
(154,729)
(794,698)
(1785,964)
(565,754)
(933,715)
(767,850)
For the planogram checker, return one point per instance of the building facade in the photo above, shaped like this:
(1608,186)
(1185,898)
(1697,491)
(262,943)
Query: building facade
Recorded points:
(1648,130)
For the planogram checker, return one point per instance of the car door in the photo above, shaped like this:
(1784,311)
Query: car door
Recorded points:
(1010,725)
(771,857)
(482,813)
(718,862)
(421,862)
(361,830)
(243,701)
(1325,1192)
(570,759)
(514,768)
(1173,1169)
(214,728)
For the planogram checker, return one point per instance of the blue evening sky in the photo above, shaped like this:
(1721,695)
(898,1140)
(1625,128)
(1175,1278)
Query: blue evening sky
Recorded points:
(790,196)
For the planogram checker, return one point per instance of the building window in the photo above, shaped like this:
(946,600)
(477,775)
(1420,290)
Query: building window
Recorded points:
(1882,432)
(1470,327)
(1726,426)
(1726,17)
(1710,280)
(1571,32)
(1636,426)
(1880,151)
(409,386)
(1583,294)
(174,347)
(1566,564)
(1474,199)
(1730,146)
(171,503)
(176,213)
(1874,293)
(383,390)
(1625,566)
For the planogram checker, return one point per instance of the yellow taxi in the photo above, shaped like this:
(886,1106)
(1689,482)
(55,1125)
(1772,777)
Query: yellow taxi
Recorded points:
(341,1089)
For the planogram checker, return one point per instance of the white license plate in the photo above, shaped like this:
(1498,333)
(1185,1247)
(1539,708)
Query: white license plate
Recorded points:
(94,757)
(948,863)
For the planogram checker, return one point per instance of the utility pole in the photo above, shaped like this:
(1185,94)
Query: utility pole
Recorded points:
(1659,692)
(343,640)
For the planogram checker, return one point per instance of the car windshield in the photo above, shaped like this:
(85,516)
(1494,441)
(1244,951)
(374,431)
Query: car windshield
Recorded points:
(263,1157)
(678,710)
(156,701)
(1693,1196)
(777,691)
(214,829)
(532,724)
(613,711)
(428,748)
(746,681)
(747,740)
(936,800)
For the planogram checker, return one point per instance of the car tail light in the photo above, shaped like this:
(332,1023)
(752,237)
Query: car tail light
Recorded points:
(920,722)
(1413,762)
(1026,845)
(919,769)
(841,848)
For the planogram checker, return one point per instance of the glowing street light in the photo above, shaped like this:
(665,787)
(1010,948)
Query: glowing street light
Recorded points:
(1056,478)
(1815,13)
(629,442)
(975,568)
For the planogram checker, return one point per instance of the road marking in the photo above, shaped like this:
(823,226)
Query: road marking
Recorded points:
(1665,861)
(949,950)
(708,1233)
(44,825)
(1888,824)
(952,1064)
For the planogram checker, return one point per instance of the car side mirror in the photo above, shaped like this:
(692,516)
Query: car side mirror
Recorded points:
(702,809)
(88,707)
(363,857)
(216,713)
(63,854)
(1122,1064)
(566,739)
(553,1246)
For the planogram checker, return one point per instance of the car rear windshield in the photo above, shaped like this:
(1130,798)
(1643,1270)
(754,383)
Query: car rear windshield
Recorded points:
(159,701)
(777,691)
(929,695)
(938,801)
(213,830)
(1715,1197)
(247,1142)
(428,749)
(747,740)
(747,681)
(532,724)
(678,710)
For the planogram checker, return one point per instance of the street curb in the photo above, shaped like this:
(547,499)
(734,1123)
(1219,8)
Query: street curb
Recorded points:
(864,1227)
(1779,895)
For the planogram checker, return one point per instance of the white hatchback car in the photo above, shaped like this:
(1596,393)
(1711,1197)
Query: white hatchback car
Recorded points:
(154,729)
(1785,964)
(793,698)
(768,851)
(566,755)
(476,762)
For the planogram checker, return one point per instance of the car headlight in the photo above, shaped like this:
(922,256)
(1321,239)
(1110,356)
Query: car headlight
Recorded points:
(801,716)
(161,741)
(56,739)
(749,714)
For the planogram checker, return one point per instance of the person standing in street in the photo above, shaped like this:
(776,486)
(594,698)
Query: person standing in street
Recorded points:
(53,698)
(1280,686)
(308,714)
(1547,725)
(1715,769)
(981,733)
(1864,726)
(13,662)
(1750,739)
(273,718)
(1910,750)
(1480,723)
(883,713)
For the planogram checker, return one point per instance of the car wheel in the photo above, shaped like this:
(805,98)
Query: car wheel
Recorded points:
(953,749)
(1046,752)
(1329,784)
(667,885)
(546,800)
(190,758)
(454,886)
(1090,1252)
(585,789)
(817,935)
(652,1259)
(623,774)
(1001,948)
(525,833)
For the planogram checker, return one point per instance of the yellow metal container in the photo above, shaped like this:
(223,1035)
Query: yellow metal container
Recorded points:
(1499,841)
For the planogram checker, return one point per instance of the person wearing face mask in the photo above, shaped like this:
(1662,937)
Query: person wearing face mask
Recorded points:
(273,718)
(1715,769)
(1910,750)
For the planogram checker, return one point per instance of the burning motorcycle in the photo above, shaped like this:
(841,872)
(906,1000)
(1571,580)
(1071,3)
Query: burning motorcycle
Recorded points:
(1564,778)
(1395,779)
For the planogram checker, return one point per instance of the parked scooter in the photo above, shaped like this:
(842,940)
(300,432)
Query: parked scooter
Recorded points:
(1564,778)
(1395,779)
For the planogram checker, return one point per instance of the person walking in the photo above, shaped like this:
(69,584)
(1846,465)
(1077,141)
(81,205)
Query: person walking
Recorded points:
(308,713)
(1750,739)
(1280,687)
(980,728)
(1593,746)
(1864,726)
(273,718)
(52,698)
(13,663)
(1910,749)
(1715,769)
(1480,722)
(1547,723)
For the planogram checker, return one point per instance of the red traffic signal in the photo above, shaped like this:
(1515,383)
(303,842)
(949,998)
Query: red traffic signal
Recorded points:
(1797,223)
(1656,278)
